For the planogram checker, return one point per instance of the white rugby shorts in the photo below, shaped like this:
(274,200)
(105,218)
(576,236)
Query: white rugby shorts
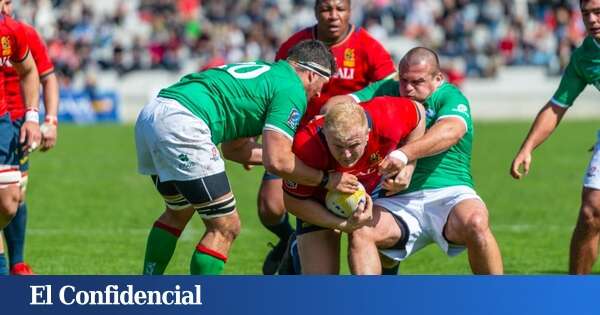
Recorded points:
(425,213)
(591,179)
(174,144)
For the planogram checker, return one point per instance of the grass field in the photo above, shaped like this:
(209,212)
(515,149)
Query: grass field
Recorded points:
(90,212)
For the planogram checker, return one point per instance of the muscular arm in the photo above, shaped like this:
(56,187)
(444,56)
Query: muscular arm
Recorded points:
(50,88)
(311,211)
(30,81)
(545,122)
(243,151)
(279,159)
(439,138)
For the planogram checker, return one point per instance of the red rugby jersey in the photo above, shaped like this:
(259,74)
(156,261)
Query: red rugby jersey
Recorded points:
(39,52)
(360,60)
(13,48)
(391,120)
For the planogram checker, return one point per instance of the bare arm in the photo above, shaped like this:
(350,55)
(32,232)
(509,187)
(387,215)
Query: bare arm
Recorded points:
(545,123)
(243,151)
(30,131)
(279,159)
(315,213)
(51,97)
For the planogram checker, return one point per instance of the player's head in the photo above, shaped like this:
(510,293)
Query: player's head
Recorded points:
(333,19)
(346,130)
(313,63)
(419,73)
(590,11)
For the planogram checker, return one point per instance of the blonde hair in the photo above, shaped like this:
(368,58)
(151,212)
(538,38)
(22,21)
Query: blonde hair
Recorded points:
(344,118)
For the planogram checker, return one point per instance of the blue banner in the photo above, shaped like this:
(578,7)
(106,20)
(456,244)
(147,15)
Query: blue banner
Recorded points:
(299,295)
(87,106)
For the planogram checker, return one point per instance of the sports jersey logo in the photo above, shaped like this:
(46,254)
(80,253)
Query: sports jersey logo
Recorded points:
(294,119)
(289,184)
(349,58)
(6,49)
(461,108)
(430,113)
(374,158)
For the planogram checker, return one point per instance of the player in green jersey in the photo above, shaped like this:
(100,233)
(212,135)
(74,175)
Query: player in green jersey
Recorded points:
(178,132)
(583,69)
(439,205)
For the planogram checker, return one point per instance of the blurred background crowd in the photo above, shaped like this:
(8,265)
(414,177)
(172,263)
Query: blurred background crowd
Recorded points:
(474,38)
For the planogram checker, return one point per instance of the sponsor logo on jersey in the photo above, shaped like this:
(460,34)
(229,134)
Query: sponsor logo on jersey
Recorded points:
(294,119)
(289,184)
(461,108)
(349,58)
(344,73)
(430,113)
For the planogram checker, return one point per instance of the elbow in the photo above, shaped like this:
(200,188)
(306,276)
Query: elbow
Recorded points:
(279,166)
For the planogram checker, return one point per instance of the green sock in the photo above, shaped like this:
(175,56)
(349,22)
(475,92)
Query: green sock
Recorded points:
(207,262)
(160,247)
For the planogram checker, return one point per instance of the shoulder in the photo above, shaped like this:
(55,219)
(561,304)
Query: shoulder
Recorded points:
(448,93)
(309,144)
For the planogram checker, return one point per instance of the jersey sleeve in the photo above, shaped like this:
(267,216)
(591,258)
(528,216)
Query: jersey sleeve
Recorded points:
(21,44)
(571,85)
(454,104)
(380,61)
(385,87)
(39,52)
(285,112)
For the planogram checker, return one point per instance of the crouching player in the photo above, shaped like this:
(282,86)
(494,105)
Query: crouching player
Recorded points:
(350,139)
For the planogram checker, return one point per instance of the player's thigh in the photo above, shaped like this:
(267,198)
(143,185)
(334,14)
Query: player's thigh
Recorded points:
(466,217)
(10,174)
(386,230)
(319,252)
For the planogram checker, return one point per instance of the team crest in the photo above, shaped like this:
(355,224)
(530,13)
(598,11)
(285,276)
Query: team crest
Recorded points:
(289,184)
(294,119)
(374,158)
(349,58)
(6,49)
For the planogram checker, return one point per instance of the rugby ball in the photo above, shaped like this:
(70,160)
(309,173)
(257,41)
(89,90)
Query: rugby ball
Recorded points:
(343,205)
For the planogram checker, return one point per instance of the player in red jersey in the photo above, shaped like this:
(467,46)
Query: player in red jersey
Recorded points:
(352,139)
(14,49)
(361,60)
(15,231)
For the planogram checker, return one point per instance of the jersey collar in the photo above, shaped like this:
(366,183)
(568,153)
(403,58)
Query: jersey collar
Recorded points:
(596,42)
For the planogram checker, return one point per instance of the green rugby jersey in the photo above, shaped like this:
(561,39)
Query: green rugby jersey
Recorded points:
(583,69)
(445,169)
(240,100)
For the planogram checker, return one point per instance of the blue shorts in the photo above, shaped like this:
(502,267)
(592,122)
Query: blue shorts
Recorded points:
(9,148)
(22,155)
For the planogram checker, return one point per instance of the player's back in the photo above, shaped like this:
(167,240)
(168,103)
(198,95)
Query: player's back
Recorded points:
(235,100)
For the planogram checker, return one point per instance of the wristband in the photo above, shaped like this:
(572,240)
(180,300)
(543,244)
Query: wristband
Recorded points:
(324,180)
(397,154)
(32,115)
(51,120)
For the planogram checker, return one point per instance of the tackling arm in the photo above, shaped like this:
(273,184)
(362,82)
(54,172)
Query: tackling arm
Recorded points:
(545,122)
(243,151)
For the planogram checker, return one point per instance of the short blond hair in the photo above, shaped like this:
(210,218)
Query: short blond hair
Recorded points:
(344,118)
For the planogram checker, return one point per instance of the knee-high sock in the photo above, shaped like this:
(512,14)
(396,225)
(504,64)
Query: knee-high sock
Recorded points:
(159,248)
(283,229)
(3,266)
(206,261)
(15,235)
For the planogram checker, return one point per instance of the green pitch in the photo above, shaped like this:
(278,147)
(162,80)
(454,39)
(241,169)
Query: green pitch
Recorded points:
(89,212)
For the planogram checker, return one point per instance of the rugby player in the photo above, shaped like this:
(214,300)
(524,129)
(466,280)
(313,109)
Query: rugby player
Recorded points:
(15,231)
(178,132)
(583,69)
(361,60)
(440,205)
(353,139)
(16,51)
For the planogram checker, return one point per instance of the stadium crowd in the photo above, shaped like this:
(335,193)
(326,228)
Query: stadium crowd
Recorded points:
(475,38)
